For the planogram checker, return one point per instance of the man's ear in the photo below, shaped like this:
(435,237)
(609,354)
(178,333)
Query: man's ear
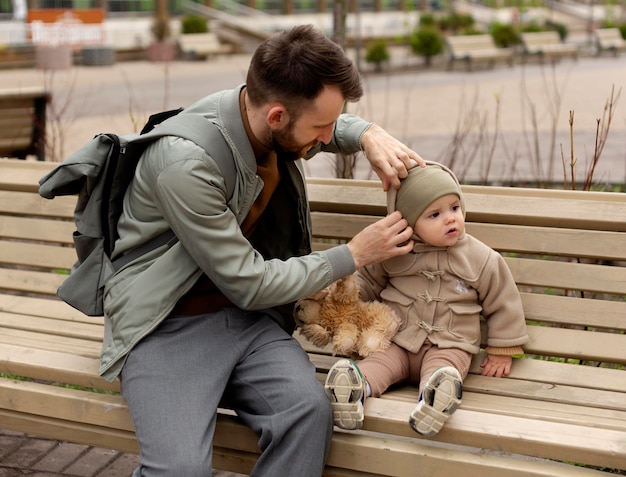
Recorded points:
(277,117)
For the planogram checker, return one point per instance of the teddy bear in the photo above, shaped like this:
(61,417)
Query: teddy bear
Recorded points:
(336,314)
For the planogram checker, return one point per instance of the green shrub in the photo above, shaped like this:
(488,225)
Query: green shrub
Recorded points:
(427,42)
(427,19)
(377,53)
(622,29)
(561,28)
(504,35)
(194,24)
(532,28)
(456,22)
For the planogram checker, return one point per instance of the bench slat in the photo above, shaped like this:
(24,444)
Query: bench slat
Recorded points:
(36,255)
(577,344)
(33,205)
(574,443)
(477,398)
(60,344)
(45,230)
(568,275)
(23,175)
(52,428)
(30,282)
(547,411)
(51,327)
(550,241)
(45,308)
(53,366)
(574,311)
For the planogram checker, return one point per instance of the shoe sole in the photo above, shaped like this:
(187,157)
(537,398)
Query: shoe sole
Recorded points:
(344,388)
(441,398)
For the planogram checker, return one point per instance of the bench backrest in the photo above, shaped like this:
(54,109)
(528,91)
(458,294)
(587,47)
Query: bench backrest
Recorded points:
(566,249)
(464,44)
(609,37)
(540,38)
(23,122)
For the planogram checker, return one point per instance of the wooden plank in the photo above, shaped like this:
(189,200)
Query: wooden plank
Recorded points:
(340,226)
(69,431)
(568,275)
(52,327)
(558,441)
(45,230)
(551,241)
(73,405)
(480,397)
(61,344)
(567,310)
(505,238)
(55,366)
(475,400)
(7,95)
(577,344)
(377,454)
(20,175)
(30,282)
(557,373)
(49,307)
(33,205)
(506,205)
(37,255)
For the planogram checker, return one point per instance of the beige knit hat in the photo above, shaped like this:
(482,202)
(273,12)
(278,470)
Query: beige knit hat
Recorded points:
(420,188)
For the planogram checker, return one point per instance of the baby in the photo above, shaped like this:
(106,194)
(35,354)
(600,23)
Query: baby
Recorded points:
(439,291)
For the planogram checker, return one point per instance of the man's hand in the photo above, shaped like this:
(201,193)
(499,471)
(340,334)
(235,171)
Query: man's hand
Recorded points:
(389,158)
(386,238)
(497,366)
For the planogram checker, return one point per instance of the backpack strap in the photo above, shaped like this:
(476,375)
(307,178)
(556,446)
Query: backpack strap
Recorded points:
(202,132)
(205,134)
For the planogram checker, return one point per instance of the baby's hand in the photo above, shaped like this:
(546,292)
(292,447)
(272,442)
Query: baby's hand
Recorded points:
(497,366)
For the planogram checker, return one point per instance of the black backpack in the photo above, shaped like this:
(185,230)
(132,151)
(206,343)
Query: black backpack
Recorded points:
(100,172)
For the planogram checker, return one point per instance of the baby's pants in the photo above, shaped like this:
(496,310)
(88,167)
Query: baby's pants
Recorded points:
(396,365)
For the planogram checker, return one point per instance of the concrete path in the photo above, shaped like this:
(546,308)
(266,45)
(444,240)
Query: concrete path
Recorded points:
(29,455)
(501,124)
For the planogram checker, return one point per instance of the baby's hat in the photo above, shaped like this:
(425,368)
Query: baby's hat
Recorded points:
(421,188)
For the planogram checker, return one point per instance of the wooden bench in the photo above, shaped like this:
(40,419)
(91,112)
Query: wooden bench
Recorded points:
(547,44)
(609,39)
(565,403)
(476,48)
(199,46)
(23,122)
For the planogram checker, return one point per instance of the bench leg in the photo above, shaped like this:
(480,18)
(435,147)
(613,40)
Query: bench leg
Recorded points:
(39,128)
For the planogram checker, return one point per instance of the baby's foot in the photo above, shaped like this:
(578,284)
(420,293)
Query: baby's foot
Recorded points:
(345,387)
(440,398)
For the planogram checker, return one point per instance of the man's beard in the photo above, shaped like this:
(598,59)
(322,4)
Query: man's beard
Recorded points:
(286,148)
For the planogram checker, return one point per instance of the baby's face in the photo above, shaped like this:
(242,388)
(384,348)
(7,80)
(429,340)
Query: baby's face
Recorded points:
(442,222)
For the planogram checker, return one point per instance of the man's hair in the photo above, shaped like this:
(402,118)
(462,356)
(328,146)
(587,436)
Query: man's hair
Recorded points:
(294,66)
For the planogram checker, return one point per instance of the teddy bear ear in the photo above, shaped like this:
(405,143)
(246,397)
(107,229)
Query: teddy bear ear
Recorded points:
(346,288)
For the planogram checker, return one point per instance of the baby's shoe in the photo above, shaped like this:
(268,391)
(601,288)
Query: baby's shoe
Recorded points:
(345,387)
(440,398)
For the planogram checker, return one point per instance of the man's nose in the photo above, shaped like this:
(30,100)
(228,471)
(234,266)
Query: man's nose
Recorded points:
(326,134)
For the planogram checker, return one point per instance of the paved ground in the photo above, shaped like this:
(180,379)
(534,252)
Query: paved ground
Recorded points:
(29,455)
(490,123)
(426,109)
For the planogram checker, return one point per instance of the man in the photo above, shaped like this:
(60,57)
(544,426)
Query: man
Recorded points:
(211,316)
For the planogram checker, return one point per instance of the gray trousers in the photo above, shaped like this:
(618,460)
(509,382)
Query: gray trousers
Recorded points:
(174,379)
